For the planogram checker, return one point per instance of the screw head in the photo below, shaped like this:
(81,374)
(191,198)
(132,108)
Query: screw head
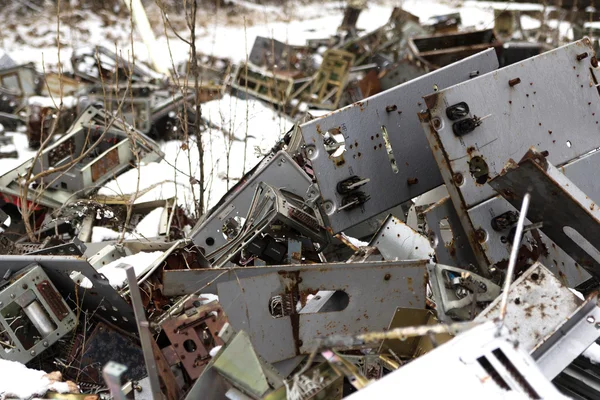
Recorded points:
(32,352)
(481,235)
(458,178)
(45,344)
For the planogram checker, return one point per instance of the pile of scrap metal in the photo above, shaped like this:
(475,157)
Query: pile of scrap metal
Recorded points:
(447,221)
(448,224)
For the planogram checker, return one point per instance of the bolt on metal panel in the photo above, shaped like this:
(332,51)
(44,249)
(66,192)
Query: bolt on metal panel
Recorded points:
(382,142)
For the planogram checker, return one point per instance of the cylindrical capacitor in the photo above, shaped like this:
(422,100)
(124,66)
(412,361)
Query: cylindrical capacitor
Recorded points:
(39,318)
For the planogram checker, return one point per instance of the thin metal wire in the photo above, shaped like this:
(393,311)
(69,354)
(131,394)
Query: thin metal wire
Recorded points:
(512,261)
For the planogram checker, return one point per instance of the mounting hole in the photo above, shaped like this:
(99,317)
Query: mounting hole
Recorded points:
(210,241)
(535,276)
(189,346)
(479,170)
(591,319)
(569,144)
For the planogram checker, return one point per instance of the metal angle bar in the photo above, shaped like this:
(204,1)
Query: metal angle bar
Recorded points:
(144,331)
(570,218)
(112,373)
(205,280)
(365,126)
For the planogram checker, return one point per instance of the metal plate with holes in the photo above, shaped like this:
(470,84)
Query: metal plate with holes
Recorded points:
(540,311)
(382,142)
(524,110)
(101,298)
(280,171)
(570,218)
(193,334)
(374,291)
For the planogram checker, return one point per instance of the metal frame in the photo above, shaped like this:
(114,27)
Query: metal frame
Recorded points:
(365,153)
(278,170)
(101,299)
(33,280)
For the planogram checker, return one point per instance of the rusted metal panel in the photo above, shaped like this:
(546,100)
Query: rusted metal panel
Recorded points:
(187,334)
(105,164)
(541,310)
(103,344)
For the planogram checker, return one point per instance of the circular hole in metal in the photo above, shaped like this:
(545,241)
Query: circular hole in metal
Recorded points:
(210,241)
(535,276)
(591,319)
(189,346)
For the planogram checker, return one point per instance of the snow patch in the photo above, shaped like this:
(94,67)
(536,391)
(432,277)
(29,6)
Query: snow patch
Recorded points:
(16,380)
(115,271)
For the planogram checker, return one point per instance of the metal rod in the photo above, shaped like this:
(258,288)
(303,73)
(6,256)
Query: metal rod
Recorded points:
(512,261)
(112,373)
(145,335)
